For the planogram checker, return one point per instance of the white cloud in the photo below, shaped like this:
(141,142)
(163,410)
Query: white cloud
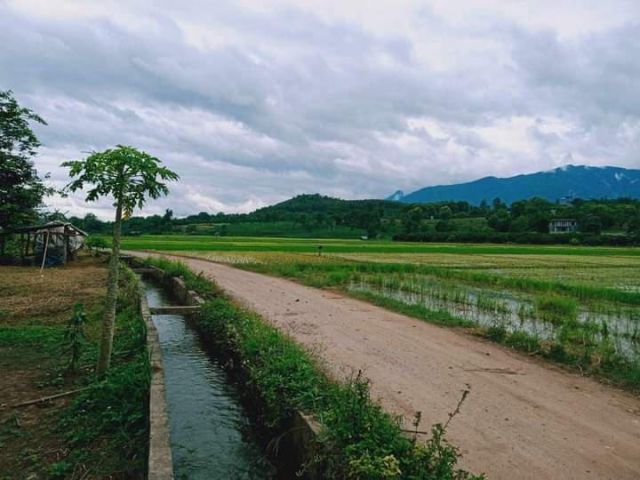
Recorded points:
(252,102)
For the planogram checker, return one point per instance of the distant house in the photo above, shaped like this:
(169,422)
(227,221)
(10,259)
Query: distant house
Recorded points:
(563,225)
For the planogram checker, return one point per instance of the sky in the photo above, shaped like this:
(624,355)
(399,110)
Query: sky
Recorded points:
(253,102)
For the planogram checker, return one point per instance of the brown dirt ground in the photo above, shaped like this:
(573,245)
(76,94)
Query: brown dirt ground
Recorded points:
(523,419)
(25,295)
(28,440)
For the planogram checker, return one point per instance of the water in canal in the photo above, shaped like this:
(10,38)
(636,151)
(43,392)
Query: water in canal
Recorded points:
(210,432)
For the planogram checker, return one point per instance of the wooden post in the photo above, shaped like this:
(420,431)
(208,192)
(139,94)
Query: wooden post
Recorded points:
(22,247)
(65,245)
(26,248)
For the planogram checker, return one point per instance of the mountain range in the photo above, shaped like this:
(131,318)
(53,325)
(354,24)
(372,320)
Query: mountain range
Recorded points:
(563,183)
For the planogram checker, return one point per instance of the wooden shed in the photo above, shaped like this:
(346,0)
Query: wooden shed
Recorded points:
(52,243)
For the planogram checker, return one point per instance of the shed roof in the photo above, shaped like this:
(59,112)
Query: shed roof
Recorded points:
(70,229)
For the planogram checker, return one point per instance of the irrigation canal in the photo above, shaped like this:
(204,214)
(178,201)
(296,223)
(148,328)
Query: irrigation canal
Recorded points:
(211,433)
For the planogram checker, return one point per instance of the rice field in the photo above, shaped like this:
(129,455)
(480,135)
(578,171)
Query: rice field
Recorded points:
(575,305)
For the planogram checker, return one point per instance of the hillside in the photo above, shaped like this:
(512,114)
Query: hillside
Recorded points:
(314,204)
(564,182)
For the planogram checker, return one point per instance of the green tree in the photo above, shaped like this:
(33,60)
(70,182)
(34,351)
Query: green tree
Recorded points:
(130,177)
(500,220)
(412,220)
(633,226)
(591,224)
(21,189)
(445,212)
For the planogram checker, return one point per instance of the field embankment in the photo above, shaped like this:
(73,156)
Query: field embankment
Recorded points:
(521,416)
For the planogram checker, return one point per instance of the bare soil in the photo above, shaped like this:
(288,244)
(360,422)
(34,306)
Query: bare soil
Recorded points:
(523,419)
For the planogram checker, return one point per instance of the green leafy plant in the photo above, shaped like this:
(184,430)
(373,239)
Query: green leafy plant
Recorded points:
(74,336)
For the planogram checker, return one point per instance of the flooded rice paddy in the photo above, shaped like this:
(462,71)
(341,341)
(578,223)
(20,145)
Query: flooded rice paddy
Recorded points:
(545,318)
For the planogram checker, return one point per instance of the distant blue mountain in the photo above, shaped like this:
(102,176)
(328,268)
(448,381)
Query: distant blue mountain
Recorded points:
(397,196)
(561,183)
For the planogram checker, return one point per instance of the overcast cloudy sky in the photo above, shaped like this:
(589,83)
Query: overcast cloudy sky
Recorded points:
(252,102)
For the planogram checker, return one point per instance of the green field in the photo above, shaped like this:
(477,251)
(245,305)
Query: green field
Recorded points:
(272,229)
(575,305)
(310,245)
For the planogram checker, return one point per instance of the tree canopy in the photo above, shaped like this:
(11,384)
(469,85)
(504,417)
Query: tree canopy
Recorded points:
(21,189)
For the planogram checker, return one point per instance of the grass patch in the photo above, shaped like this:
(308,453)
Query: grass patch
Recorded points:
(193,281)
(106,426)
(176,242)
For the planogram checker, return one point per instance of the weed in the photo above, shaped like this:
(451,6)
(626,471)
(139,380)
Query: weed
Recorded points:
(523,341)
(74,336)
(193,281)
(497,333)
(60,470)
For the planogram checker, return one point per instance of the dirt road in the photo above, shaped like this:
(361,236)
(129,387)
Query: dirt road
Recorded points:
(522,420)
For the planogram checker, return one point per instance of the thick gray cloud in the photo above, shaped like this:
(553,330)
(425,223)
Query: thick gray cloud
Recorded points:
(252,104)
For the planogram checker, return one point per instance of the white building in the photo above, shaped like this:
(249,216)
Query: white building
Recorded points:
(563,225)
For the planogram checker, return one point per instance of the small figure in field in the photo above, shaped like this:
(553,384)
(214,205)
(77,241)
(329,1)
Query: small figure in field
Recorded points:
(319,250)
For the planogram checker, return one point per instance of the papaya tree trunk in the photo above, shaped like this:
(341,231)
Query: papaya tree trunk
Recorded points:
(109,316)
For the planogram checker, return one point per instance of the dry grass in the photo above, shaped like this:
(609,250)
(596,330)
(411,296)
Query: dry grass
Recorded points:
(26,296)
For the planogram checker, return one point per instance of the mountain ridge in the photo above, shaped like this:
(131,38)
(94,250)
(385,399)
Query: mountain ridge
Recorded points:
(569,181)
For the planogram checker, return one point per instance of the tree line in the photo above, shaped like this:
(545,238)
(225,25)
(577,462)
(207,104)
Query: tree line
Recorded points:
(527,221)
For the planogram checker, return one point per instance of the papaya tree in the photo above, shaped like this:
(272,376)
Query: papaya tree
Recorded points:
(130,177)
